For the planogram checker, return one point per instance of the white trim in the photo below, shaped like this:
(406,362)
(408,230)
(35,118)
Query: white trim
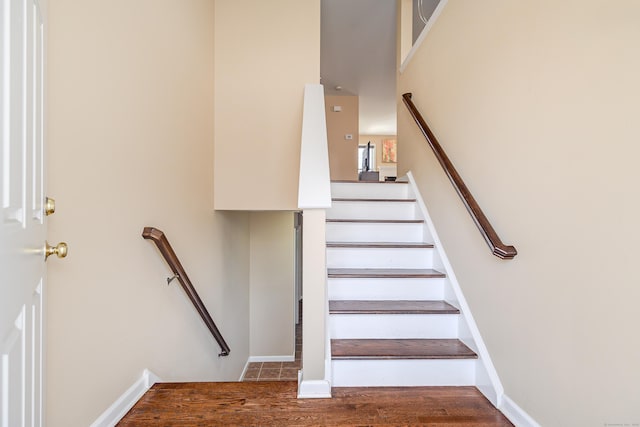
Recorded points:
(494,390)
(313,389)
(328,366)
(271,359)
(244,371)
(516,414)
(124,403)
(319,389)
(423,35)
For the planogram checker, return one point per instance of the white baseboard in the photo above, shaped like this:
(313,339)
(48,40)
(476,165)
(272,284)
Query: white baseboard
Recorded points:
(516,414)
(244,370)
(313,389)
(271,359)
(125,402)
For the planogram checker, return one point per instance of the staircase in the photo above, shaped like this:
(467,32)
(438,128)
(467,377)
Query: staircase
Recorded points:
(394,318)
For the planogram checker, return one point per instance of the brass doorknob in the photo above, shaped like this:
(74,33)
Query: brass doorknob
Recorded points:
(49,206)
(60,250)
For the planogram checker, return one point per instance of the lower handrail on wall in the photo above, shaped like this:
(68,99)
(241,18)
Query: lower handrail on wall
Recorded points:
(159,238)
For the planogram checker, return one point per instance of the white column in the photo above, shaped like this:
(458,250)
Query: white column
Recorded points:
(314,381)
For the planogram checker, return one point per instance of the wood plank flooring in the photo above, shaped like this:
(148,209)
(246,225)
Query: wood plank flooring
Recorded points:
(275,404)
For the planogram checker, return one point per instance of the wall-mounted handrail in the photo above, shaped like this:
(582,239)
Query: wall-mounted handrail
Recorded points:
(498,248)
(170,256)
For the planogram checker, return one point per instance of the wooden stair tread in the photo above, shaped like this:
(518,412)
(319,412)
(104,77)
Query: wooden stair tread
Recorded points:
(355,199)
(400,349)
(391,307)
(346,181)
(381,245)
(382,221)
(384,273)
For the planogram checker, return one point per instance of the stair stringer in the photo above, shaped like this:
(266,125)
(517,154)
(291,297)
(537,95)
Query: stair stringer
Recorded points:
(487,380)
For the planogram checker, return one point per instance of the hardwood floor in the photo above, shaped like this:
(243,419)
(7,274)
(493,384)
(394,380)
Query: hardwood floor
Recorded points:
(275,404)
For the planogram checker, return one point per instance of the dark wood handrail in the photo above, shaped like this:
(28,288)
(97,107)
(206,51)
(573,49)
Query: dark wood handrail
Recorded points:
(498,248)
(169,255)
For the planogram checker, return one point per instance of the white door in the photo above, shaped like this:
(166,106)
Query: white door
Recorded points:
(22,216)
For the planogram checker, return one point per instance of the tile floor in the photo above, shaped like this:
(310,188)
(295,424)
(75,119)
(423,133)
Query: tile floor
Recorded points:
(277,371)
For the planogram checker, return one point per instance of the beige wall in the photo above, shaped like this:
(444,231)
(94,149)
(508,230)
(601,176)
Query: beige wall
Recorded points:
(272,284)
(343,153)
(536,103)
(265,53)
(130,145)
(404,20)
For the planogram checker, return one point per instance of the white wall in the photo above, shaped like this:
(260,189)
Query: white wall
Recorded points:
(272,284)
(131,97)
(536,104)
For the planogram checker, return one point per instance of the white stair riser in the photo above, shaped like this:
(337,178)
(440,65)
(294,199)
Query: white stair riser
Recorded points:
(369,191)
(380,258)
(386,289)
(374,232)
(369,373)
(372,210)
(436,326)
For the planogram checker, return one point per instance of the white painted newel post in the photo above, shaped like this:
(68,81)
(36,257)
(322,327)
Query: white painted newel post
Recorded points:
(314,188)
(314,196)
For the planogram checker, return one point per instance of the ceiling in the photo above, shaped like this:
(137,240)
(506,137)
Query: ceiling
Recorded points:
(358,53)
